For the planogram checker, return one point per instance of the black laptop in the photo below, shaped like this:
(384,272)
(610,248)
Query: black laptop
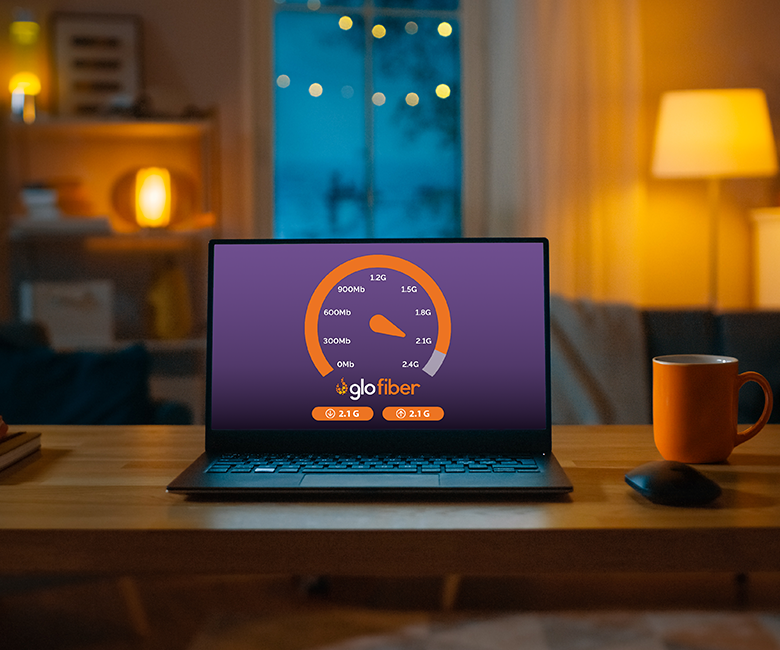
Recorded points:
(377,366)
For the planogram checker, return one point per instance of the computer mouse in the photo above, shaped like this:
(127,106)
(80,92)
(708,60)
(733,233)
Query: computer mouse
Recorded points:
(672,483)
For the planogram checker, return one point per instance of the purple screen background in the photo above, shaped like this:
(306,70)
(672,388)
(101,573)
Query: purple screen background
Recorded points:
(493,376)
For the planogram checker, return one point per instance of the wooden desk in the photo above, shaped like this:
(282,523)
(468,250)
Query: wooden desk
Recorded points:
(95,502)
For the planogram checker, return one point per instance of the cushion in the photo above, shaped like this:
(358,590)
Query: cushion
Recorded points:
(599,362)
(680,332)
(754,339)
(41,386)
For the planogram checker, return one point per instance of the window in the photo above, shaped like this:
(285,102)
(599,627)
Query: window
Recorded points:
(367,118)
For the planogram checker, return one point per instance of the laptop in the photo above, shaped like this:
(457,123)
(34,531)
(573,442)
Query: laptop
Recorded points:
(377,366)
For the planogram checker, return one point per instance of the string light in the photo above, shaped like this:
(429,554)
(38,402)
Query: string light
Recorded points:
(443,91)
(445,29)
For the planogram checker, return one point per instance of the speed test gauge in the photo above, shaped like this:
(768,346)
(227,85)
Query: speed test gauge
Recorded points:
(364,302)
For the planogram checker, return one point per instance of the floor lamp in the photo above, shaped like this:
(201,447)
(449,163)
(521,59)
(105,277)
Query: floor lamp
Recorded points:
(714,134)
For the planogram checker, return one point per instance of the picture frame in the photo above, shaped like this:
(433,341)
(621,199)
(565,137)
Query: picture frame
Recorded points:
(76,315)
(97,62)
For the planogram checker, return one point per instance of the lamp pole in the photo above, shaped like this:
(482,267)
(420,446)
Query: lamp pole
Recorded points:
(713,201)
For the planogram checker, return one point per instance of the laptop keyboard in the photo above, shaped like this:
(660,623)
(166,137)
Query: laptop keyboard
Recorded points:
(250,463)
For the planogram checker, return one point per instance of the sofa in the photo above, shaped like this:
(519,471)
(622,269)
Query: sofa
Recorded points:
(601,356)
(40,385)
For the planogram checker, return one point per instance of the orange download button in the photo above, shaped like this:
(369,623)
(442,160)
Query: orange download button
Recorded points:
(342,413)
(413,414)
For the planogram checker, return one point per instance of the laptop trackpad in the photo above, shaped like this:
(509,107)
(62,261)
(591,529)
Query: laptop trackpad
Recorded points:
(370,481)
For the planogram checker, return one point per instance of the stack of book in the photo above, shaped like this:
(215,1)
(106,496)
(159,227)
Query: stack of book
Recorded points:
(15,446)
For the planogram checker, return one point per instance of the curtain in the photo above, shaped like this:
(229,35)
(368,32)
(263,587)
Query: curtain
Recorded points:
(581,94)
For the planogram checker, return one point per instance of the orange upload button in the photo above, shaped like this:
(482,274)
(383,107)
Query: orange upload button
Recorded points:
(413,413)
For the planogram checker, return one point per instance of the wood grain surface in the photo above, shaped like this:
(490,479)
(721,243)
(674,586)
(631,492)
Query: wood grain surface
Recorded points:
(94,501)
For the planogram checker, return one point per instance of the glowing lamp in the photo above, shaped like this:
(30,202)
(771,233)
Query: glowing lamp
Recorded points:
(24,32)
(24,86)
(26,83)
(714,134)
(153,197)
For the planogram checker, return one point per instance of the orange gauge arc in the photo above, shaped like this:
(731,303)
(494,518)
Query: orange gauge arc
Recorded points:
(425,281)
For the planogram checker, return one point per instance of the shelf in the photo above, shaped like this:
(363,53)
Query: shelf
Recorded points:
(25,228)
(147,242)
(85,159)
(97,235)
(119,128)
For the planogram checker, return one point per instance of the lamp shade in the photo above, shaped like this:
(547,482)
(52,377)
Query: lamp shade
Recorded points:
(26,83)
(154,197)
(714,134)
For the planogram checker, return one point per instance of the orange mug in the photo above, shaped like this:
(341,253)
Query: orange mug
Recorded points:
(695,399)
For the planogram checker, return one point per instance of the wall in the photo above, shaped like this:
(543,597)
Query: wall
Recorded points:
(693,44)
(193,55)
(197,52)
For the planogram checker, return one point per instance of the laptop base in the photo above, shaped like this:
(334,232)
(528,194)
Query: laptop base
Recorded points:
(549,479)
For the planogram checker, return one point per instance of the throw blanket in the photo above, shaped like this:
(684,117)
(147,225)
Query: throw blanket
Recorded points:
(599,363)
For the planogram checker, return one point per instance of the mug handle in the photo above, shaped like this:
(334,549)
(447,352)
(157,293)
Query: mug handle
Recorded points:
(742,379)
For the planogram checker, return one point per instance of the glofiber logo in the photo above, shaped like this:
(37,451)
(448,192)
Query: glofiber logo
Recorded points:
(384,386)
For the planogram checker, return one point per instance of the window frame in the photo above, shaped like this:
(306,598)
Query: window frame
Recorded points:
(491,117)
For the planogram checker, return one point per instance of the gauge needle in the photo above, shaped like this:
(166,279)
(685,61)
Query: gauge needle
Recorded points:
(381,325)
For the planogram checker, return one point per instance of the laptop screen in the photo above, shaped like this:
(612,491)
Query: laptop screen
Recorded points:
(378,336)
